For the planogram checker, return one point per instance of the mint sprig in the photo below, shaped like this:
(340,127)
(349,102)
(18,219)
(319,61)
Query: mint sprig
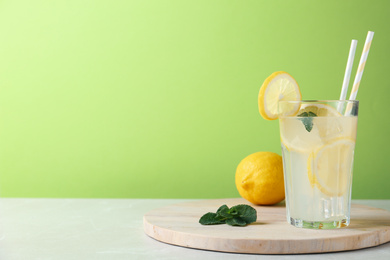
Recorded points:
(239,215)
(307,120)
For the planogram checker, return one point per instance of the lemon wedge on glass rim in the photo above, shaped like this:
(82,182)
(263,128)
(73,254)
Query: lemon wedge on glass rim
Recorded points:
(277,87)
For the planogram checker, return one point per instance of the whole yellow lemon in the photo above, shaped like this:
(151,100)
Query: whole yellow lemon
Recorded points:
(259,178)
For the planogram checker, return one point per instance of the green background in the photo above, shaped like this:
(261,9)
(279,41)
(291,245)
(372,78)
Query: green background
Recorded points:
(158,99)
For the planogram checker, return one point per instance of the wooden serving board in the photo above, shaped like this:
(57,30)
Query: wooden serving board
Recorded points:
(178,225)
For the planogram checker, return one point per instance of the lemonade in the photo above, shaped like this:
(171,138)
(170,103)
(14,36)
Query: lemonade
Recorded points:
(318,142)
(318,145)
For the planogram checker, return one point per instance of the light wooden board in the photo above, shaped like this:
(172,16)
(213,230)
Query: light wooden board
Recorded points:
(178,225)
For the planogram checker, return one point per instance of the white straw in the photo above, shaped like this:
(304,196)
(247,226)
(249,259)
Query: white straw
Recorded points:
(347,74)
(360,70)
(362,63)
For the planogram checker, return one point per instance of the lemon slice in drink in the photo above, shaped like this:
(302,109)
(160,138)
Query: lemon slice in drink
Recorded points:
(319,110)
(330,167)
(278,86)
(295,137)
(328,128)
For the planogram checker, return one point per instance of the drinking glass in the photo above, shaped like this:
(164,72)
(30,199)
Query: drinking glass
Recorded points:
(318,143)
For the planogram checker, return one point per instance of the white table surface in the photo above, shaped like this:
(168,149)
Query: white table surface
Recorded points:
(113,229)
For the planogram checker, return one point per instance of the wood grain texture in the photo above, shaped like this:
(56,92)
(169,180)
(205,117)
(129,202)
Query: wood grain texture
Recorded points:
(178,225)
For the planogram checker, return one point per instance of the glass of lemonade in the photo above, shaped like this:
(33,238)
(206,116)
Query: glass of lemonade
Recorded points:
(318,145)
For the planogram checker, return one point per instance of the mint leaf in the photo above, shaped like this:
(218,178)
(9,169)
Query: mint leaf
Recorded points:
(211,219)
(307,120)
(239,215)
(304,114)
(247,213)
(223,211)
(236,221)
(308,123)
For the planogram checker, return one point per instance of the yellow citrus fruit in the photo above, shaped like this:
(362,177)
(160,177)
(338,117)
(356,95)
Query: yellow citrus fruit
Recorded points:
(259,178)
(277,87)
(330,167)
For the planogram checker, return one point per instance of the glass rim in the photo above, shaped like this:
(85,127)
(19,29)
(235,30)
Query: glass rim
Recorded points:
(319,101)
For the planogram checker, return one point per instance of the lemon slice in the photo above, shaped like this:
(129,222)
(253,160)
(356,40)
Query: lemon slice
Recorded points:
(330,167)
(328,128)
(295,137)
(278,86)
(319,110)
